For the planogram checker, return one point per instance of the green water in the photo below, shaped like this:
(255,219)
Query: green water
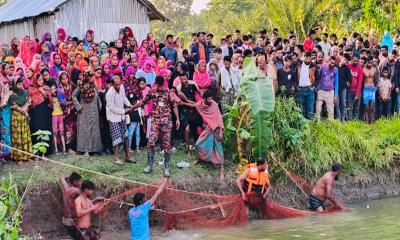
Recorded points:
(378,219)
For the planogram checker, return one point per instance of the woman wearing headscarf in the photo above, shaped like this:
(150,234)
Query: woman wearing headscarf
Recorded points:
(63,51)
(107,74)
(46,37)
(144,47)
(114,63)
(14,47)
(46,53)
(29,73)
(5,113)
(19,64)
(161,64)
(180,68)
(35,61)
(213,72)
(28,48)
(120,48)
(103,50)
(87,104)
(56,65)
(387,41)
(201,77)
(125,62)
(129,81)
(67,87)
(21,134)
(48,80)
(39,112)
(128,33)
(147,71)
(61,36)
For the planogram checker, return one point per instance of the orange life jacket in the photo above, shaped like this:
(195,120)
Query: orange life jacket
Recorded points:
(256,181)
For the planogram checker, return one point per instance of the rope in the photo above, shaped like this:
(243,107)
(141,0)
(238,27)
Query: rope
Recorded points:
(107,175)
(288,174)
(27,187)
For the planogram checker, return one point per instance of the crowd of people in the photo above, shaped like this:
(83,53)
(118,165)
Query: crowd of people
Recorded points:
(97,96)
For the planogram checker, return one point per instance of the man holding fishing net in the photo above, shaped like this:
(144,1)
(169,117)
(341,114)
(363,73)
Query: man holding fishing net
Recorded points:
(322,190)
(139,214)
(254,186)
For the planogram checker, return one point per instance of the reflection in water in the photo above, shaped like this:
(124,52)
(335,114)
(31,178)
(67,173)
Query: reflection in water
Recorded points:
(379,221)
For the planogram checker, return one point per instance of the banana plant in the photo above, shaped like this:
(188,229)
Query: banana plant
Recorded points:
(246,119)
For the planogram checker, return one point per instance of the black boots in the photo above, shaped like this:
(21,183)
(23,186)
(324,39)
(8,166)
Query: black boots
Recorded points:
(150,162)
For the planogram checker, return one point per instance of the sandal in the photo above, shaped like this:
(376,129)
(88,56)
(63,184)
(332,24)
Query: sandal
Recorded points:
(130,160)
(118,162)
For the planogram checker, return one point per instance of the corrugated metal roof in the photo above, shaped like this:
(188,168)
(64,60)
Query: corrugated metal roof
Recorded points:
(19,9)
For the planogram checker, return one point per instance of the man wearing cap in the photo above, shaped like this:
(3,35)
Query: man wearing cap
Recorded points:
(323,188)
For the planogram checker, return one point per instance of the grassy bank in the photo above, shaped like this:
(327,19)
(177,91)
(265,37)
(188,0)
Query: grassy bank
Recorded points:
(49,173)
(306,148)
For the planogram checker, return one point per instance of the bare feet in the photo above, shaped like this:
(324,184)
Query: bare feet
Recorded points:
(196,162)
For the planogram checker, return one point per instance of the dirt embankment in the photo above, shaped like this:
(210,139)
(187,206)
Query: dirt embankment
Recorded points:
(42,208)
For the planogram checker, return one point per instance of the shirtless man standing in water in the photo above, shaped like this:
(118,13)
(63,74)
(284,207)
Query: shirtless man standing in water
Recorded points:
(322,190)
(369,90)
(70,187)
(84,207)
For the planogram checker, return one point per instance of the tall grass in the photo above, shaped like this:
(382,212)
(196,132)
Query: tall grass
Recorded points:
(356,145)
(309,148)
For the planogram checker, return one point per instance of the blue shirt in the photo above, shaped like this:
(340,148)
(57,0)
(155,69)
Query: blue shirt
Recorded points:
(169,53)
(150,77)
(139,221)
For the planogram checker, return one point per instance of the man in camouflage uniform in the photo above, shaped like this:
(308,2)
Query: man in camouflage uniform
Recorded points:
(161,124)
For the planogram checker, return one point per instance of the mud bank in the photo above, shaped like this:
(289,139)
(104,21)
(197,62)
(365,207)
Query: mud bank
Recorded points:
(42,208)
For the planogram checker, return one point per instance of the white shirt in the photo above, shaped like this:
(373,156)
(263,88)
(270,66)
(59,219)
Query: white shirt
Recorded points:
(304,80)
(115,111)
(326,47)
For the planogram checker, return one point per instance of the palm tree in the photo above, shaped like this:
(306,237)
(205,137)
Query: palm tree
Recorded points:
(300,16)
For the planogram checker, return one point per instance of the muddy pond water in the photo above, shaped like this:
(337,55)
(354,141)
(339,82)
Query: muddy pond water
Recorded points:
(378,219)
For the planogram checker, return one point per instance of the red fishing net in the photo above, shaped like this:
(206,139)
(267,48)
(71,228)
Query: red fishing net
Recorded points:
(176,209)
(182,210)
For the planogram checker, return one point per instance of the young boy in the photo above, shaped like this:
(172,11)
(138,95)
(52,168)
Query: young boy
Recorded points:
(384,91)
(84,207)
(58,99)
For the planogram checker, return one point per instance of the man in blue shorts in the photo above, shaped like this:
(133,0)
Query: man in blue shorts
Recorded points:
(369,90)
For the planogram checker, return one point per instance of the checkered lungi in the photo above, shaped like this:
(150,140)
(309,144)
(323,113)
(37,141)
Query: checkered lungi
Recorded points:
(118,132)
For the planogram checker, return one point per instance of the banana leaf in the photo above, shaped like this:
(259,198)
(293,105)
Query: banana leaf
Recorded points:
(261,134)
(258,89)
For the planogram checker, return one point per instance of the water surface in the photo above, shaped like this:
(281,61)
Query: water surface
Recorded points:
(378,219)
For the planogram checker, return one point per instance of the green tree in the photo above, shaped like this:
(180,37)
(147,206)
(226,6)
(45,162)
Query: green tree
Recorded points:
(179,15)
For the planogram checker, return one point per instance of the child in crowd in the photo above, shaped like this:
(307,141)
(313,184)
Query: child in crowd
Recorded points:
(58,100)
(136,120)
(384,91)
